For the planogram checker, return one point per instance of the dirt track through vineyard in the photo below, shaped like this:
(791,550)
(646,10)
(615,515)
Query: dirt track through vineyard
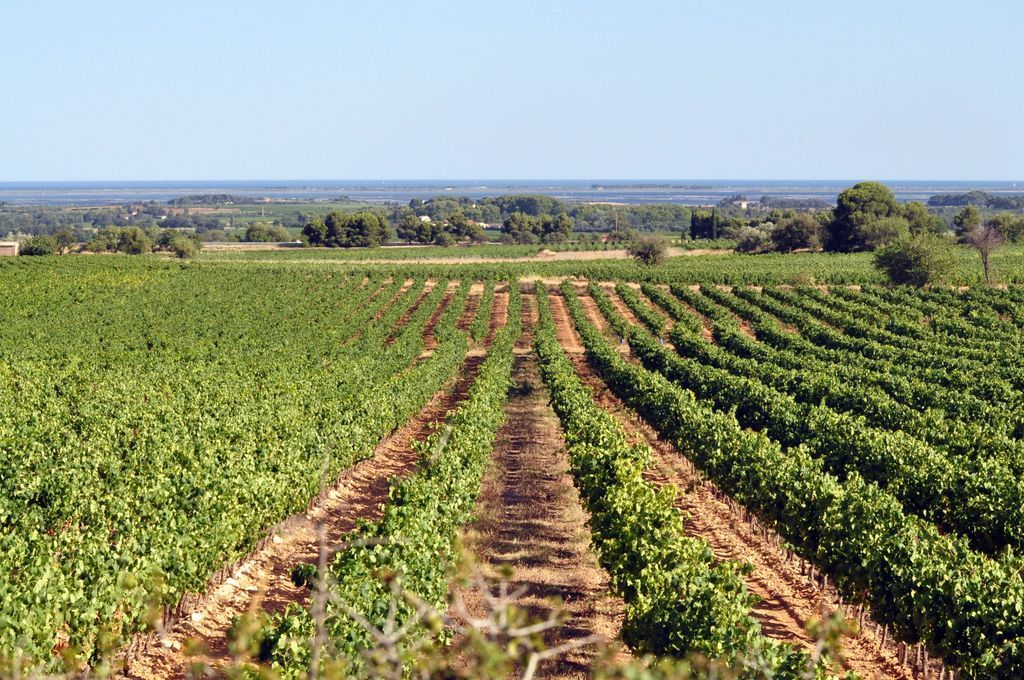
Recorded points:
(263,582)
(788,600)
(531,518)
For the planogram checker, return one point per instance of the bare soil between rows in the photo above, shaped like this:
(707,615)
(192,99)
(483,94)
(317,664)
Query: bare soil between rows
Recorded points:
(531,520)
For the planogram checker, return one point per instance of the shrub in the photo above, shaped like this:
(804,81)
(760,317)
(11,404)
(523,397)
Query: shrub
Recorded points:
(184,247)
(39,245)
(799,231)
(918,260)
(751,240)
(651,250)
(266,233)
(877,233)
(444,238)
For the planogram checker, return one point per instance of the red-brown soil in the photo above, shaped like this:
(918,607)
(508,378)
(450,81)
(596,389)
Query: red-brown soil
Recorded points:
(531,519)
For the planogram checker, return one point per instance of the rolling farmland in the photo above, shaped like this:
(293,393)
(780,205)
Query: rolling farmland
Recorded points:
(302,465)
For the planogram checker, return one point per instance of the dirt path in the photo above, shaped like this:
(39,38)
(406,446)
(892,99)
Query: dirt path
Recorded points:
(473,300)
(788,600)
(499,312)
(567,336)
(592,312)
(531,519)
(529,316)
(543,256)
(624,311)
(262,582)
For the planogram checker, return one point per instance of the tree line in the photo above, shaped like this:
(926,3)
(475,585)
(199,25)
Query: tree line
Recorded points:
(126,240)
(981,199)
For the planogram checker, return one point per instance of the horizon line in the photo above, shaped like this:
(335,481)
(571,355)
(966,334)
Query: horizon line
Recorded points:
(505,179)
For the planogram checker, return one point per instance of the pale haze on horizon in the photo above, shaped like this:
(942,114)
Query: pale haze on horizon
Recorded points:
(338,90)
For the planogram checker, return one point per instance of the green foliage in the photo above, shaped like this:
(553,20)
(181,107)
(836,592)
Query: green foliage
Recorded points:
(856,207)
(752,240)
(680,600)
(967,219)
(364,229)
(979,198)
(412,547)
(1011,226)
(183,246)
(919,260)
(520,227)
(878,233)
(799,231)
(927,585)
(921,221)
(704,224)
(444,239)
(650,250)
(149,447)
(127,240)
(39,245)
(261,232)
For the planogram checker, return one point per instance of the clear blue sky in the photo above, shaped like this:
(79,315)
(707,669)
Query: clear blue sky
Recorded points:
(676,89)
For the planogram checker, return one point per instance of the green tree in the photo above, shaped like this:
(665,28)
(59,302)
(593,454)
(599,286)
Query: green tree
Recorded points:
(315,230)
(444,238)
(916,260)
(856,207)
(521,228)
(425,232)
(129,240)
(704,224)
(967,220)
(799,231)
(1009,225)
(753,240)
(365,229)
(920,220)
(475,232)
(184,247)
(134,241)
(64,240)
(408,227)
(39,245)
(558,229)
(261,232)
(877,233)
(458,225)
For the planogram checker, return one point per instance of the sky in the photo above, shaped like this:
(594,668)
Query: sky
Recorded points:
(682,89)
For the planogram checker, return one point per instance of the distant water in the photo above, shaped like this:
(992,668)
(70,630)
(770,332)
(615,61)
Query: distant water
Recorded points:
(689,192)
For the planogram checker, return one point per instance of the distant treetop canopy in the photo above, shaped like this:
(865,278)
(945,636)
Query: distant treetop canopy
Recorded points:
(979,198)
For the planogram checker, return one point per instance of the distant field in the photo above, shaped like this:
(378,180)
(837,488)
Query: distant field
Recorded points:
(420,252)
(729,268)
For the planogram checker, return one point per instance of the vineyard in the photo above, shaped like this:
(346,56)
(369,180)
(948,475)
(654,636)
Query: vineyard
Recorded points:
(330,468)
